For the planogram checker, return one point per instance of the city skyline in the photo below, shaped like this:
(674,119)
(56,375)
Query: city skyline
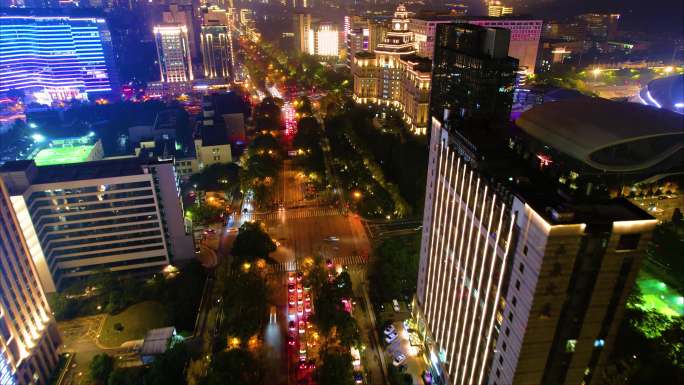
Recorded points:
(326,192)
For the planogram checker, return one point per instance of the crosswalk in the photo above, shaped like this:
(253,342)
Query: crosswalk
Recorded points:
(350,260)
(300,213)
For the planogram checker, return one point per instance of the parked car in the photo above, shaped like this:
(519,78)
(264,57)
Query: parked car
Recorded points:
(398,359)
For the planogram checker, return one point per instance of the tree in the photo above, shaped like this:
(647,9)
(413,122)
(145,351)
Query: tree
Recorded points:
(244,309)
(217,177)
(235,367)
(101,367)
(336,369)
(125,376)
(169,368)
(252,243)
(395,269)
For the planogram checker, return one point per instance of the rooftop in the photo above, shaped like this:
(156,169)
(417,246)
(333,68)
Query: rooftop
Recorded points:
(157,341)
(607,135)
(78,171)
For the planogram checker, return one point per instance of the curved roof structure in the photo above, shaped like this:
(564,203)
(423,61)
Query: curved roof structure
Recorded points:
(610,136)
(667,93)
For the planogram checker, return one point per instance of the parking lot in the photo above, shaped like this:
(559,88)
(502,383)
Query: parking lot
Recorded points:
(402,347)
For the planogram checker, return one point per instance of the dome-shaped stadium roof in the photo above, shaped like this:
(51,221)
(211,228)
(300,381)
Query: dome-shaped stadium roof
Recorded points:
(607,135)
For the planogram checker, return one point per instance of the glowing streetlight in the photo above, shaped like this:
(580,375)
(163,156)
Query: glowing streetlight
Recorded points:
(596,72)
(357,195)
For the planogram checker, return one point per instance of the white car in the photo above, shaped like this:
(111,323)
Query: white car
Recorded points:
(391,337)
(398,359)
(390,330)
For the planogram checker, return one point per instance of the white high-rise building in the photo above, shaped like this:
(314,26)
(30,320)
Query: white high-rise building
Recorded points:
(173,52)
(110,215)
(28,336)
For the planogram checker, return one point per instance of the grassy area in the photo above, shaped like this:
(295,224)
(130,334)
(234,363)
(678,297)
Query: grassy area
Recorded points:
(659,296)
(63,155)
(136,321)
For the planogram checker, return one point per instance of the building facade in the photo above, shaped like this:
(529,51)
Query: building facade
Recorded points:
(57,57)
(173,52)
(528,250)
(393,76)
(113,215)
(28,334)
(216,43)
(473,76)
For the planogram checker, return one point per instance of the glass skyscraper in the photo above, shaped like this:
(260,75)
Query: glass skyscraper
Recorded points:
(56,57)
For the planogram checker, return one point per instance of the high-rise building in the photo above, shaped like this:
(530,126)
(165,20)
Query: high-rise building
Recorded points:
(525,35)
(173,52)
(327,40)
(114,215)
(528,252)
(56,57)
(28,334)
(496,9)
(184,15)
(302,29)
(473,75)
(217,44)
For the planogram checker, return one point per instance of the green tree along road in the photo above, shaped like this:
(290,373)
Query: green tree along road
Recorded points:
(336,369)
(235,367)
(217,177)
(361,177)
(310,158)
(101,367)
(244,305)
(394,270)
(252,243)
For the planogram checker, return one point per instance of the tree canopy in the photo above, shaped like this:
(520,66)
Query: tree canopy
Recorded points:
(235,367)
(395,269)
(252,243)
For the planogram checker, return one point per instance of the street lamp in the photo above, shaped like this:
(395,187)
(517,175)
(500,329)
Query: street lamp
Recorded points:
(357,195)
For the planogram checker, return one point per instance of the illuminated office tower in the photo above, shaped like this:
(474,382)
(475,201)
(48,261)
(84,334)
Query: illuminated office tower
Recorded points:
(327,40)
(528,252)
(28,335)
(216,44)
(175,64)
(56,57)
(184,15)
(497,9)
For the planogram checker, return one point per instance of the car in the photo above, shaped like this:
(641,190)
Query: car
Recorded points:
(307,308)
(333,238)
(291,301)
(358,377)
(390,330)
(395,305)
(291,288)
(299,288)
(290,341)
(329,263)
(391,337)
(307,297)
(300,275)
(398,359)
(300,310)
(300,301)
(291,326)
(290,277)
(302,327)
